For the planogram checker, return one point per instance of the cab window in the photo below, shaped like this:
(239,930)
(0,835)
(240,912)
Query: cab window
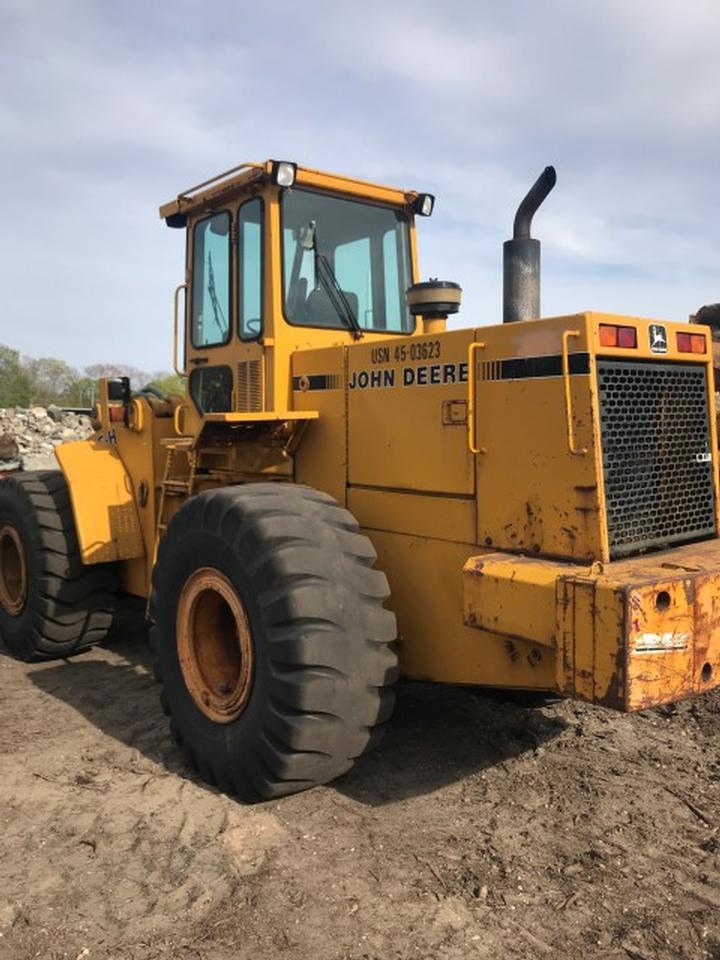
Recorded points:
(250,240)
(345,262)
(210,321)
(211,389)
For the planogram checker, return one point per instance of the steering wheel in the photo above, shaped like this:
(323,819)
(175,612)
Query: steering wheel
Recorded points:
(254,326)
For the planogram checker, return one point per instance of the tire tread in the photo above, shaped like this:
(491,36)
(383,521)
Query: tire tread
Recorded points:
(74,603)
(329,636)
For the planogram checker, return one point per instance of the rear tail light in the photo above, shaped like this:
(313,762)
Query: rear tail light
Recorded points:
(691,343)
(627,337)
(614,336)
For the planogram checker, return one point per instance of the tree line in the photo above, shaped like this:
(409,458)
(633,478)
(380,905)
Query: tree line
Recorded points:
(28,382)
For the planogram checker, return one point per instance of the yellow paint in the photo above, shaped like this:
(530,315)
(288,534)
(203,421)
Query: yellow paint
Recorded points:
(438,518)
(102,497)
(512,596)
(435,644)
(628,635)
(481,489)
(321,460)
(396,435)
(268,416)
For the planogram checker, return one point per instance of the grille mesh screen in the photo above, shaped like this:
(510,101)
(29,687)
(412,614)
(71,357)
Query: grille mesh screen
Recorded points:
(656,446)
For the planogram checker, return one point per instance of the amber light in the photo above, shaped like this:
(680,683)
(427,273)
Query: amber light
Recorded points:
(612,336)
(691,343)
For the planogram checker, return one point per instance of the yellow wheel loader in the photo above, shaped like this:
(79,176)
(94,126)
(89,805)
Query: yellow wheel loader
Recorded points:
(541,495)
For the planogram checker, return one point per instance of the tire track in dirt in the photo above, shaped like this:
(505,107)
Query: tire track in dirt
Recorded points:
(482,827)
(101,833)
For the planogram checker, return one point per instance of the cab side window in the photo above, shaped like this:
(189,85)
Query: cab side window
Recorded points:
(210,322)
(211,389)
(250,262)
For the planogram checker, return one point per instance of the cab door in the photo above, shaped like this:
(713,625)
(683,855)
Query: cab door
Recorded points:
(250,368)
(225,310)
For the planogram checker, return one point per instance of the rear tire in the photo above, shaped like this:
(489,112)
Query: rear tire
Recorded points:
(51,604)
(273,645)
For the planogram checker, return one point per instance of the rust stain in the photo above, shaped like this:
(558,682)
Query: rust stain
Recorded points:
(534,657)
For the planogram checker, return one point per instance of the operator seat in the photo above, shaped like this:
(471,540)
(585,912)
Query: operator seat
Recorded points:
(320,310)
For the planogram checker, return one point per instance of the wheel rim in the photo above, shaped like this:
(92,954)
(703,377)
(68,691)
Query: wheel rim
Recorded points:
(13,572)
(214,645)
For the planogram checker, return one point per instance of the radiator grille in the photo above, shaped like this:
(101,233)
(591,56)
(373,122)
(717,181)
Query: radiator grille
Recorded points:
(249,386)
(656,454)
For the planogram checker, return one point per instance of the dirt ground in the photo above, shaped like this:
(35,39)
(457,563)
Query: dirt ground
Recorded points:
(482,827)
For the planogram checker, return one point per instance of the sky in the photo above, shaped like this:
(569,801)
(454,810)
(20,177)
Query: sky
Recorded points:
(108,109)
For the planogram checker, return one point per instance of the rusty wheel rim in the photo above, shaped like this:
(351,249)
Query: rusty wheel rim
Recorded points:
(13,571)
(214,645)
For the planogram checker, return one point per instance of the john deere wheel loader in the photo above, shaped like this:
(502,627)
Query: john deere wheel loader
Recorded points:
(541,495)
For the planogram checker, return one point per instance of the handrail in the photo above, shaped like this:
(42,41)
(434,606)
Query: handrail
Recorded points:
(574,450)
(248,165)
(179,414)
(176,296)
(471,399)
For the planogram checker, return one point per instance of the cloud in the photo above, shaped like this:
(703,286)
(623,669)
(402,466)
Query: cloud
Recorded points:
(106,110)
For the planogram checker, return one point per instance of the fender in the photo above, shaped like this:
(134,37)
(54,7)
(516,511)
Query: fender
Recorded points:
(103,501)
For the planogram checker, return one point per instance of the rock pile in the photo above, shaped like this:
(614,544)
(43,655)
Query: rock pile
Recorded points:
(28,437)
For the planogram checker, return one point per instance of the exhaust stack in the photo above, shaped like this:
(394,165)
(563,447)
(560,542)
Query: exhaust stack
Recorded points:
(521,256)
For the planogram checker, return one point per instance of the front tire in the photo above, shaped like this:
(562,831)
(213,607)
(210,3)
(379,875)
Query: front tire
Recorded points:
(51,604)
(272,642)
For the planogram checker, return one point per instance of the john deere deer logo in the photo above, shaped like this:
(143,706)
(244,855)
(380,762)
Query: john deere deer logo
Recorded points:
(658,338)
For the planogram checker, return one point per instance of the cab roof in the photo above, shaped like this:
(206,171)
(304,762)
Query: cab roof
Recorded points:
(204,195)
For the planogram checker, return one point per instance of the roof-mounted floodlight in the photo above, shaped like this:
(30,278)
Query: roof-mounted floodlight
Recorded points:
(424,204)
(284,172)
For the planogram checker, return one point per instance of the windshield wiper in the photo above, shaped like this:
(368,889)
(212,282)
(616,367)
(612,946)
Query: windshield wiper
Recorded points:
(336,294)
(326,276)
(217,309)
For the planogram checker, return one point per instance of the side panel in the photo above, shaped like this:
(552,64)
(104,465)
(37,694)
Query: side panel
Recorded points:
(426,586)
(441,518)
(401,432)
(103,502)
(318,383)
(534,494)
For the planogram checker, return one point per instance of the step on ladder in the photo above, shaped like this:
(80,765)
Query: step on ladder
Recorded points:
(174,486)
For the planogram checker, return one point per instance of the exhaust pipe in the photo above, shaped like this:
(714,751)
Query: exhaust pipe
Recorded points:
(521,256)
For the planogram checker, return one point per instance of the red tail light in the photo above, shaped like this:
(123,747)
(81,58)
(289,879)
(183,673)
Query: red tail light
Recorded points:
(613,336)
(691,343)
(627,337)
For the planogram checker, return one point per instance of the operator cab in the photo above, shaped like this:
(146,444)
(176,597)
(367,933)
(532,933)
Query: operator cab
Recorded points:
(281,258)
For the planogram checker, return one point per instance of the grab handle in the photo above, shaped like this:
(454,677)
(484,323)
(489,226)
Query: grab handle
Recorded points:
(574,450)
(472,399)
(176,297)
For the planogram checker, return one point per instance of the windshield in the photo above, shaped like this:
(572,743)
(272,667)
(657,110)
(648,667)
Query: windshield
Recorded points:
(360,249)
